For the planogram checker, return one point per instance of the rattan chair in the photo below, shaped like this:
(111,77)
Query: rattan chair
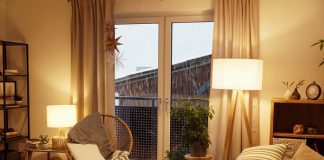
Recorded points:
(118,130)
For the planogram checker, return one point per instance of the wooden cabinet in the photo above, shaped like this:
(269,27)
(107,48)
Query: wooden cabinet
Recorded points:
(286,113)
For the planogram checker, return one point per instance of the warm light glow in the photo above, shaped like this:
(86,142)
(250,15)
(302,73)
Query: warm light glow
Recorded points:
(59,116)
(237,74)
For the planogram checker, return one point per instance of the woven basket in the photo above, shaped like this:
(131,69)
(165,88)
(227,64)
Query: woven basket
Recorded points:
(59,143)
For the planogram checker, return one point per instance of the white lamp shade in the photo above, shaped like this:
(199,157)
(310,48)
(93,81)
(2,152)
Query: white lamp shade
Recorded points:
(237,74)
(60,116)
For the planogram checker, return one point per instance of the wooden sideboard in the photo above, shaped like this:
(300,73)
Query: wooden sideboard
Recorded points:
(286,113)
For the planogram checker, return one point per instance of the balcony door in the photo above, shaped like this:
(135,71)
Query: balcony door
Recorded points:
(160,60)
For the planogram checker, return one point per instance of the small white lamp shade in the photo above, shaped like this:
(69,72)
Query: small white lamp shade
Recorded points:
(237,74)
(60,116)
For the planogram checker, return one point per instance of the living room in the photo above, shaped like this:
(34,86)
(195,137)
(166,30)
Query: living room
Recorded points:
(286,31)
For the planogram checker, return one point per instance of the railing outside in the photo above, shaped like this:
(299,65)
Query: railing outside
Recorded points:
(140,114)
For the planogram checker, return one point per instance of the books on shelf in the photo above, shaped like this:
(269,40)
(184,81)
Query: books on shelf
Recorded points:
(10,135)
(10,72)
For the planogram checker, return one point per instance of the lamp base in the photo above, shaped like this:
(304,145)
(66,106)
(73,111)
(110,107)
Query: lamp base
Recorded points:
(58,143)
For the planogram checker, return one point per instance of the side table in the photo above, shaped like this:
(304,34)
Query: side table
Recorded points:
(50,150)
(207,157)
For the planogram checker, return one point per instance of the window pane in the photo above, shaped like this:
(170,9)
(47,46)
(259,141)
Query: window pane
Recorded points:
(136,85)
(191,59)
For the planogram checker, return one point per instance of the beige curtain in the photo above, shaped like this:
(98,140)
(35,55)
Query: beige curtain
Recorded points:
(93,42)
(235,36)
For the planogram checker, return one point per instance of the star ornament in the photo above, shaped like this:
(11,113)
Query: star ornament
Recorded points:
(112,44)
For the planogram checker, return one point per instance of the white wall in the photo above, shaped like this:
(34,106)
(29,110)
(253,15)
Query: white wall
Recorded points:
(148,8)
(287,29)
(45,26)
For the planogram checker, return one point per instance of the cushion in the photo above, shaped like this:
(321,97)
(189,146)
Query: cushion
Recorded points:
(85,151)
(306,153)
(292,146)
(264,152)
(90,130)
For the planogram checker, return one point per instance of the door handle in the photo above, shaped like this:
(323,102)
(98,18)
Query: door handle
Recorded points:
(167,105)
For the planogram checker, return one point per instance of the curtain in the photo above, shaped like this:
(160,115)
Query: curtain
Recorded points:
(93,45)
(235,36)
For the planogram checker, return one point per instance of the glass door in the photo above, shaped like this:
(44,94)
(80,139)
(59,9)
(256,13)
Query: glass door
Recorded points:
(137,78)
(161,60)
(190,56)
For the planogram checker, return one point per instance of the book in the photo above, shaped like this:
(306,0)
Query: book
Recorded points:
(32,143)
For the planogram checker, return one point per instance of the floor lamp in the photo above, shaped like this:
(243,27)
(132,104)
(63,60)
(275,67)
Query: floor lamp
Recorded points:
(237,75)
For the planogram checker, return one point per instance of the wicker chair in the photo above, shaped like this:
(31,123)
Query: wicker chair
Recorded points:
(118,129)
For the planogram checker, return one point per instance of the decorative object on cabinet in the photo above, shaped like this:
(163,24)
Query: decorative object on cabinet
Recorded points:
(299,129)
(286,113)
(237,75)
(288,86)
(313,91)
(295,94)
(312,130)
(14,76)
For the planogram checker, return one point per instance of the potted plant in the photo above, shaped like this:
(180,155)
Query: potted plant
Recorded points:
(43,142)
(18,99)
(195,118)
(321,45)
(177,153)
(288,92)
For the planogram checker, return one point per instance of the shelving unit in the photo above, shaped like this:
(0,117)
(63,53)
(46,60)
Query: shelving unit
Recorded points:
(286,113)
(14,57)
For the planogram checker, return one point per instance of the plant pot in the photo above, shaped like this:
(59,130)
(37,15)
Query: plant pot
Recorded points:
(295,94)
(43,146)
(287,94)
(197,150)
(18,102)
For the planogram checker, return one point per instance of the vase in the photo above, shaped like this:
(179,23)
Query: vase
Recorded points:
(287,94)
(295,94)
(197,150)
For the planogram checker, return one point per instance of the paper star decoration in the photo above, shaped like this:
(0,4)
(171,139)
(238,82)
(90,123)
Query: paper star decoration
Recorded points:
(111,42)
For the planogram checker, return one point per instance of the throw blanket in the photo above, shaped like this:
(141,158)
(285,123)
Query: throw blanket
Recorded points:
(90,130)
(120,155)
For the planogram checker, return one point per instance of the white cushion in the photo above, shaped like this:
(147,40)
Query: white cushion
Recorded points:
(85,151)
(265,152)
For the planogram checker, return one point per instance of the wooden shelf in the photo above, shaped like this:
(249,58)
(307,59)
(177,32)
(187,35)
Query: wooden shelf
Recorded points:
(301,101)
(13,107)
(292,135)
(14,138)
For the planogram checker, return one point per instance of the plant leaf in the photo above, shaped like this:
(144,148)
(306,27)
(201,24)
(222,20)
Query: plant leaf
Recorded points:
(316,43)
(321,63)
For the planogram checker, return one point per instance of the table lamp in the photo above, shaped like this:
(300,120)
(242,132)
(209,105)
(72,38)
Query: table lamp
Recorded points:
(237,75)
(62,117)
